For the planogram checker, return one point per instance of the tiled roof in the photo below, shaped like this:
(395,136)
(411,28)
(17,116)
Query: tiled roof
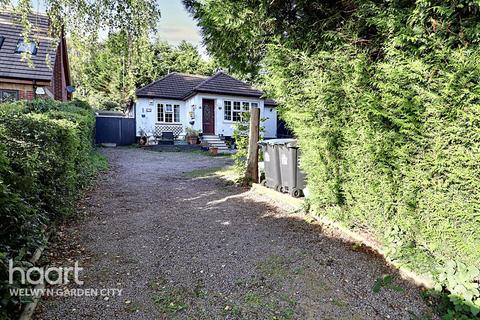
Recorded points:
(11,65)
(225,84)
(173,86)
(181,86)
(270,102)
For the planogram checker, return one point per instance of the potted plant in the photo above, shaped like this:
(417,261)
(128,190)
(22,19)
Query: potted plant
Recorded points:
(213,151)
(191,136)
(143,138)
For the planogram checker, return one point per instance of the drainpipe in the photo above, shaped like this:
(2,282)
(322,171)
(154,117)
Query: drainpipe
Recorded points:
(34,89)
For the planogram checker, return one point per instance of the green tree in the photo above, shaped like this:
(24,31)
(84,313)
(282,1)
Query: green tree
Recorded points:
(234,32)
(85,17)
(102,77)
(101,72)
(383,97)
(182,58)
(130,23)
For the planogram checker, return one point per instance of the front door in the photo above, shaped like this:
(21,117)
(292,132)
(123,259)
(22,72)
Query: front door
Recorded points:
(208,106)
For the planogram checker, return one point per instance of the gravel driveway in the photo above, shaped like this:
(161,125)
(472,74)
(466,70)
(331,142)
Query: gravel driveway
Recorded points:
(191,247)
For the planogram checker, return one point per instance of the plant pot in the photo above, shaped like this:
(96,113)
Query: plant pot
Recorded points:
(192,140)
(213,151)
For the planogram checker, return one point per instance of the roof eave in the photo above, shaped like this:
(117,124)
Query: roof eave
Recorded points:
(189,95)
(230,93)
(29,79)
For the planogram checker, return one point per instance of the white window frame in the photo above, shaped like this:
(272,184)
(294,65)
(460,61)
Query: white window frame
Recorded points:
(227,112)
(236,107)
(170,109)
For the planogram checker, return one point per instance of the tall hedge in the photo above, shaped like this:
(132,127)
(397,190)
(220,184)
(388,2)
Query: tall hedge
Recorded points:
(46,157)
(384,97)
(393,149)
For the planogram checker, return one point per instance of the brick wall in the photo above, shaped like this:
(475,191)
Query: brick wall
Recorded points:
(57,87)
(25,91)
(59,82)
(25,95)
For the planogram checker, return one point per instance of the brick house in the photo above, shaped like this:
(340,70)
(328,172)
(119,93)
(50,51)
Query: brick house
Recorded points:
(47,75)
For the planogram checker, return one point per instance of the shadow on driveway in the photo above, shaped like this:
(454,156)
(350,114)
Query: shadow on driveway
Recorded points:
(200,248)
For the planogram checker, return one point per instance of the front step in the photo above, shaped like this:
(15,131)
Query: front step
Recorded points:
(211,137)
(215,141)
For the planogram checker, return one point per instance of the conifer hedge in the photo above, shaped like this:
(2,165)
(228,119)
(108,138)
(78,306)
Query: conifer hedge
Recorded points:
(46,157)
(393,149)
(384,97)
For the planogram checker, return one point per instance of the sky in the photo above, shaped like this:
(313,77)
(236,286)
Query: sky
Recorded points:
(176,24)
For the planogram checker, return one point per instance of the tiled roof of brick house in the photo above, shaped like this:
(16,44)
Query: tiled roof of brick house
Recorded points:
(11,64)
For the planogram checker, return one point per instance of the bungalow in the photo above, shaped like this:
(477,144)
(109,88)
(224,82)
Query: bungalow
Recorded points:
(47,74)
(209,104)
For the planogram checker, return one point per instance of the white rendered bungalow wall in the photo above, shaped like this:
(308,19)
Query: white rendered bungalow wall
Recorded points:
(226,127)
(146,114)
(191,110)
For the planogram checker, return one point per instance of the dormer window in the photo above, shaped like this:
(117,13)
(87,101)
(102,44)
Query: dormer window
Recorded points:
(2,39)
(30,47)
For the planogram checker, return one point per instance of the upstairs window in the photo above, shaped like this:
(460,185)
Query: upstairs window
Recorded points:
(22,46)
(2,39)
(168,113)
(8,95)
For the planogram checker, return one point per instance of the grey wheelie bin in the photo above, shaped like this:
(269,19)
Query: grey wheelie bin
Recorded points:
(272,165)
(293,180)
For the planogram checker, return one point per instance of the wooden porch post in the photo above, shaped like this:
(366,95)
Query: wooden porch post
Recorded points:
(252,162)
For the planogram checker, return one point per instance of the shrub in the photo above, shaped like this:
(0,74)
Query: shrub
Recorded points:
(392,149)
(384,98)
(46,157)
(111,105)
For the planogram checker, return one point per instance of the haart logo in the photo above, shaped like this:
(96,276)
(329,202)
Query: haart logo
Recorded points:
(51,275)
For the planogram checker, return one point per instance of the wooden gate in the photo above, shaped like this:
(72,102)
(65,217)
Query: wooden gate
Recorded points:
(118,130)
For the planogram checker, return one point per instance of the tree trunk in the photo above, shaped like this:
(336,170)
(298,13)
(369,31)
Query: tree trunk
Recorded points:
(251,175)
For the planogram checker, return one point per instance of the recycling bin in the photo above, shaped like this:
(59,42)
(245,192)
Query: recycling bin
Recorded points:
(271,165)
(292,178)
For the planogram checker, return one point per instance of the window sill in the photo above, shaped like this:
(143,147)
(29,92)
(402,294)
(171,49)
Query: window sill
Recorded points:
(231,121)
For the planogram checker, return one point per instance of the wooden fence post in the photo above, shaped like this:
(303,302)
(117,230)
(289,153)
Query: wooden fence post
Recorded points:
(252,162)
